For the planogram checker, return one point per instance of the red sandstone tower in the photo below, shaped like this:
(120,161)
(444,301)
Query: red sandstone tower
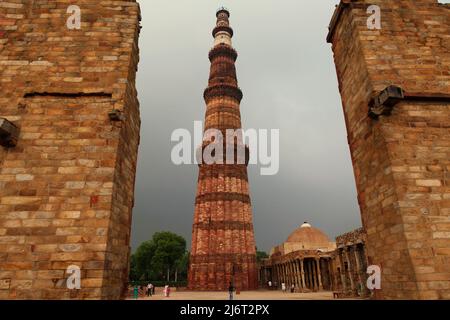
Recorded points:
(223,245)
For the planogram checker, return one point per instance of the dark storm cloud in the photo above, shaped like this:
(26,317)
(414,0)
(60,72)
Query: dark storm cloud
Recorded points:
(286,71)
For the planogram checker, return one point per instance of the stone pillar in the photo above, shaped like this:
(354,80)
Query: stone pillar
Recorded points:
(278,275)
(293,274)
(297,274)
(307,275)
(264,278)
(343,272)
(302,273)
(274,274)
(319,274)
(332,274)
(288,274)
(286,267)
(363,266)
(350,268)
(300,285)
(359,270)
(312,273)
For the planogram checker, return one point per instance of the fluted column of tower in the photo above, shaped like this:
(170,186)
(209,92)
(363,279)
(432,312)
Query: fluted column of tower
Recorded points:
(223,244)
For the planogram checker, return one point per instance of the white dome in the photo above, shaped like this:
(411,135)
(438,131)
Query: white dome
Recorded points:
(305,225)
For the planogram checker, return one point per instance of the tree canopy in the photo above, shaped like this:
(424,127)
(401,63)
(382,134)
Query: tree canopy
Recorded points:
(260,255)
(158,258)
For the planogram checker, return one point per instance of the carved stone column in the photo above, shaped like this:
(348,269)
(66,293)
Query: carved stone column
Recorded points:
(297,274)
(319,274)
(302,272)
(291,269)
(332,274)
(350,268)
(342,272)
(312,274)
(276,277)
(358,269)
(308,275)
(288,274)
(288,265)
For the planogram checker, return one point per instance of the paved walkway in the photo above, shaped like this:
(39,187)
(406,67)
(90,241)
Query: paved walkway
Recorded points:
(248,295)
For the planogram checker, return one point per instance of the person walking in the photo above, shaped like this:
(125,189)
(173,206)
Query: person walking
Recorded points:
(167,291)
(231,291)
(293,288)
(270,285)
(149,290)
(136,292)
(283,287)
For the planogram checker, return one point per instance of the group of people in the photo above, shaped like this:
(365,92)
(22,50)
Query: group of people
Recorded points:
(274,286)
(149,290)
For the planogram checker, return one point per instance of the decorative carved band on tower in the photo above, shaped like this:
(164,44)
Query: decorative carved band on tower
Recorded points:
(223,245)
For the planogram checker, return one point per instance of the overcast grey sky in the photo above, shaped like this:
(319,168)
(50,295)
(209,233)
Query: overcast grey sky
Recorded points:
(286,71)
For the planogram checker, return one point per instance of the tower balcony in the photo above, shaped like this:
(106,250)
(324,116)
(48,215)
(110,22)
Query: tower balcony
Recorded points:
(222,90)
(226,29)
(222,50)
(222,10)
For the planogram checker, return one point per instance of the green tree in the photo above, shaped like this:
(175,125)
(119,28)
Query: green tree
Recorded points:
(134,274)
(260,255)
(143,260)
(158,258)
(182,267)
(169,249)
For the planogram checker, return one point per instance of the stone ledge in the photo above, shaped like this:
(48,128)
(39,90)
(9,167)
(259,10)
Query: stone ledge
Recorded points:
(383,102)
(9,133)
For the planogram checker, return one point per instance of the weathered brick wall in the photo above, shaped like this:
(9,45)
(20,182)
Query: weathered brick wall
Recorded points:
(67,187)
(352,237)
(401,161)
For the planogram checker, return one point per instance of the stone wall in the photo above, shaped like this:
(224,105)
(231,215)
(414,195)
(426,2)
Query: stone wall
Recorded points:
(401,159)
(352,237)
(67,187)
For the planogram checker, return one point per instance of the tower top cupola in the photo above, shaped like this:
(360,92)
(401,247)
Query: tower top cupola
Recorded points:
(222,10)
(222,33)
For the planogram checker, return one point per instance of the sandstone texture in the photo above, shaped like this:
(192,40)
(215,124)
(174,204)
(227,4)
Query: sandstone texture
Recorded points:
(401,158)
(67,186)
(223,244)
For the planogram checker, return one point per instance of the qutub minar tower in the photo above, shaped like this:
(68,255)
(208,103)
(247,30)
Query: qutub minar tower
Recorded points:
(223,244)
